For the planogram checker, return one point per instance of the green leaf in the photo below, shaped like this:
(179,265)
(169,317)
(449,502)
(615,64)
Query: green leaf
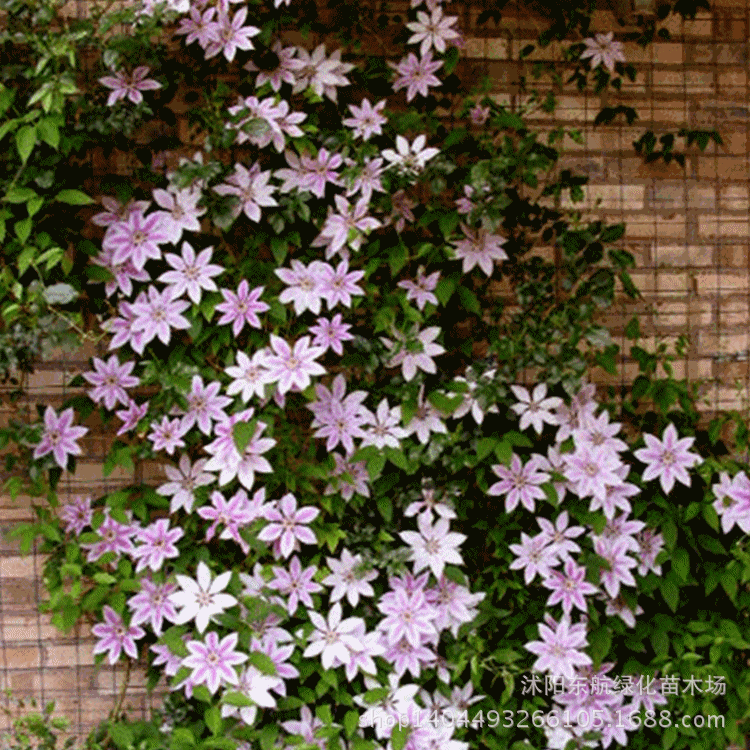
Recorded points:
(212,717)
(681,563)
(397,257)
(23,229)
(444,290)
(262,662)
(47,131)
(121,735)
(385,506)
(20,195)
(600,641)
(399,735)
(25,259)
(469,300)
(25,141)
(351,722)
(660,643)
(233,698)
(671,594)
(243,433)
(74,198)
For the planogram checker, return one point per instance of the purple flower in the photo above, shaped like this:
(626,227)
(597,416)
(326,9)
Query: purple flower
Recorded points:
(204,405)
(602,48)
(592,470)
(157,544)
(620,564)
(131,416)
(569,588)
(519,483)
(123,85)
(167,435)
(422,290)
(348,579)
(231,513)
(416,75)
(367,120)
(534,555)
(77,514)
(479,248)
(230,35)
(303,285)
(191,273)
(182,212)
(432,30)
(158,315)
(331,334)
(338,286)
(110,380)
(293,367)
(212,661)
(115,637)
(152,604)
(60,437)
(411,360)
(200,28)
(559,650)
(668,458)
(252,188)
(289,525)
(408,616)
(135,239)
(250,375)
(434,546)
(242,307)
(319,171)
(296,583)
(183,482)
(115,537)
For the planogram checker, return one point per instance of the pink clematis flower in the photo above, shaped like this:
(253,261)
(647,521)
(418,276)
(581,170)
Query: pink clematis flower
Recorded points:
(129,86)
(289,525)
(60,437)
(668,459)
(115,637)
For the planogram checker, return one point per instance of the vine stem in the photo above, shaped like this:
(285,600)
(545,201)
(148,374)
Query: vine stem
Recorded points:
(121,697)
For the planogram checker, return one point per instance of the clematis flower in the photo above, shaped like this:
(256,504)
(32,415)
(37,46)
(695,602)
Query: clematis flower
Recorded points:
(200,598)
(289,525)
(110,379)
(535,409)
(130,86)
(434,546)
(192,273)
(293,367)
(559,651)
(60,437)
(602,48)
(213,661)
(242,307)
(416,75)
(333,638)
(115,637)
(366,120)
(668,459)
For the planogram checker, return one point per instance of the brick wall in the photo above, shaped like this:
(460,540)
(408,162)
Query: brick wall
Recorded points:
(688,229)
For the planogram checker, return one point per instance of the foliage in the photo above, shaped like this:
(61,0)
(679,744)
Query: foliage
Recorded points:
(453,273)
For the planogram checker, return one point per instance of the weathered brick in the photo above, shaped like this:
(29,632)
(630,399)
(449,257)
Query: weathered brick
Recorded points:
(732,78)
(734,197)
(682,255)
(735,256)
(723,167)
(722,226)
(668,53)
(696,81)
